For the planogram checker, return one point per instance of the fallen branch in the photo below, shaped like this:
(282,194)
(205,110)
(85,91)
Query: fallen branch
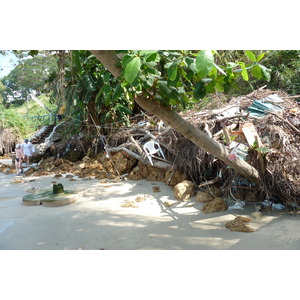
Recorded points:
(209,182)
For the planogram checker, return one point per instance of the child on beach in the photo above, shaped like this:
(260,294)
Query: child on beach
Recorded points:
(19,157)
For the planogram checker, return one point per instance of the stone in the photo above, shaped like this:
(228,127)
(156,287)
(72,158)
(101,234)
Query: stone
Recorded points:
(239,224)
(156,189)
(217,204)
(204,197)
(184,190)
(173,177)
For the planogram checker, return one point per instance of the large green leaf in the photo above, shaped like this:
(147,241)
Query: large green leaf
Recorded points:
(260,56)
(126,59)
(132,70)
(200,90)
(251,55)
(118,91)
(150,55)
(172,70)
(204,62)
(244,71)
(256,71)
(265,73)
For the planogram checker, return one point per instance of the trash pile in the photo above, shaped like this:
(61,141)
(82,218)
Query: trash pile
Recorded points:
(262,128)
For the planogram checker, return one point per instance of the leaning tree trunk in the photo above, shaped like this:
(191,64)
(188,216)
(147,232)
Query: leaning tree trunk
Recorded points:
(170,117)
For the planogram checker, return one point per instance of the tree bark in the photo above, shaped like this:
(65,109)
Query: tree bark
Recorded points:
(171,118)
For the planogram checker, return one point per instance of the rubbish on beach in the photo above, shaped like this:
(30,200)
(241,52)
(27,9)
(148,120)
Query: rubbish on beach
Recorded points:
(237,205)
(239,224)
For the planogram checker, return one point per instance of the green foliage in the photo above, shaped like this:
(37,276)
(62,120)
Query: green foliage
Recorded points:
(89,84)
(178,78)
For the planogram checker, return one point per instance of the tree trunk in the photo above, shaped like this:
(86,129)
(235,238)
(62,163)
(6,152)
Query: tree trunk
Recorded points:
(112,63)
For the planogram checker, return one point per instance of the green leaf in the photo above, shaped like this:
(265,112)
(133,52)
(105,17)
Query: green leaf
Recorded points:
(106,77)
(99,95)
(150,55)
(263,150)
(172,70)
(89,83)
(260,56)
(107,100)
(106,89)
(265,73)
(244,71)
(126,59)
(251,55)
(256,72)
(204,62)
(121,108)
(118,91)
(200,90)
(132,70)
(76,60)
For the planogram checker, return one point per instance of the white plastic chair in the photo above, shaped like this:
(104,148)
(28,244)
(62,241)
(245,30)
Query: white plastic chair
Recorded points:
(151,148)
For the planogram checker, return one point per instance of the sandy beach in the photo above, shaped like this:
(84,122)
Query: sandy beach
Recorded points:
(98,220)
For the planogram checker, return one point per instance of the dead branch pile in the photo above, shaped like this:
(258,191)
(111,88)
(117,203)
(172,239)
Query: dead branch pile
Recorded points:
(279,132)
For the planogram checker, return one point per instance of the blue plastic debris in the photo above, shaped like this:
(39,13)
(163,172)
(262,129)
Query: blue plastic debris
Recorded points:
(259,108)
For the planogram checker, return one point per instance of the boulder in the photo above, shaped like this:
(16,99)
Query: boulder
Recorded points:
(184,190)
(204,197)
(174,177)
(218,204)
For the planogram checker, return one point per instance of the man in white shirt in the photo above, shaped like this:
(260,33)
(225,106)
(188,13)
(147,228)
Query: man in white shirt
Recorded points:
(27,150)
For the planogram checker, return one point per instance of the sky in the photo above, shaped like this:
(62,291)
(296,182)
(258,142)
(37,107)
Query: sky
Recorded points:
(7,63)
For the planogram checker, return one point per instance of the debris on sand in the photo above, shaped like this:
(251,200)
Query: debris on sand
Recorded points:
(156,189)
(140,199)
(239,224)
(129,204)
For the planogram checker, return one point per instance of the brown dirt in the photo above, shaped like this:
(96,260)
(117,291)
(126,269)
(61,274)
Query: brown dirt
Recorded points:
(218,204)
(239,224)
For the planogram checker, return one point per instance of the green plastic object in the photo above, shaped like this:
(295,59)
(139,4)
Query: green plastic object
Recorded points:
(58,188)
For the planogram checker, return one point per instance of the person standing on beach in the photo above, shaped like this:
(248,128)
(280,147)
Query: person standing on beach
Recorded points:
(19,157)
(28,150)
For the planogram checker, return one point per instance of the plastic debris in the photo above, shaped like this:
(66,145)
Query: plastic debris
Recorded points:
(277,206)
(237,205)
